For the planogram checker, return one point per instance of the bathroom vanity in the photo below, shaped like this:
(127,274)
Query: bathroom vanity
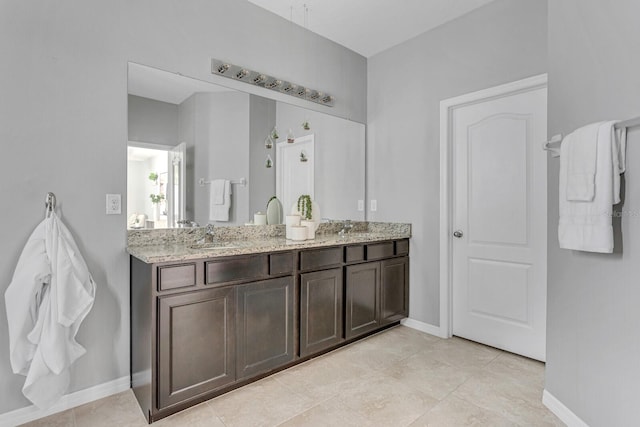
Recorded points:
(205,321)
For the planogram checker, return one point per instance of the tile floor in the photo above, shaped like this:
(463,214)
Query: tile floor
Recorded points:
(400,377)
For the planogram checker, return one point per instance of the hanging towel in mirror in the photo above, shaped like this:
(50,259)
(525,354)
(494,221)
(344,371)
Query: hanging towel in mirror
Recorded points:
(220,200)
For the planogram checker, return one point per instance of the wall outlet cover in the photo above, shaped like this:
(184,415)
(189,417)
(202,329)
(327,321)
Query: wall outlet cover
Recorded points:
(374,205)
(360,205)
(114,204)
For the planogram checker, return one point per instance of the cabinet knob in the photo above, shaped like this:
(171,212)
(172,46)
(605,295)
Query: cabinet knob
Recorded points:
(458,234)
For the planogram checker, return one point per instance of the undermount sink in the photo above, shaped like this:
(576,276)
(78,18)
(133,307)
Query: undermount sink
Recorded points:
(213,246)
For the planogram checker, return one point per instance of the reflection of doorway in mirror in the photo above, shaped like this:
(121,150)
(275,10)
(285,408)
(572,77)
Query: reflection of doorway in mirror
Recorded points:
(293,176)
(153,185)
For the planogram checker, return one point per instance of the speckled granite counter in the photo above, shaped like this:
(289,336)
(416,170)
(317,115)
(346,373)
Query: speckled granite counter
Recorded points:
(153,246)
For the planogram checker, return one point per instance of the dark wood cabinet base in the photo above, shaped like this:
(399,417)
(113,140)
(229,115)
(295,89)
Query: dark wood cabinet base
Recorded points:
(203,327)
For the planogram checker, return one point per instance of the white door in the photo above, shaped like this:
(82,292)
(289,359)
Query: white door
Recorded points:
(294,171)
(500,222)
(176,185)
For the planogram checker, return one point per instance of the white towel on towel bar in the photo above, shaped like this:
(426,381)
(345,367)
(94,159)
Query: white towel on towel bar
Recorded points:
(220,200)
(586,225)
(49,296)
(582,146)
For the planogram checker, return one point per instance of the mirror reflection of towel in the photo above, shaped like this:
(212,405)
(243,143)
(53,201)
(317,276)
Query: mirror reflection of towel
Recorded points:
(220,200)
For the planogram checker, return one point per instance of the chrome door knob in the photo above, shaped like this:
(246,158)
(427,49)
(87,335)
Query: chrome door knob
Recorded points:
(457,233)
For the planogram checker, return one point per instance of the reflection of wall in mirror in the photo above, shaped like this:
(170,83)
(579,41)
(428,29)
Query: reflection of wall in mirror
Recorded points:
(339,159)
(224,133)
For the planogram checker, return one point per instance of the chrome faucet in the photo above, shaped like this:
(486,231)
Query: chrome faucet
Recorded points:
(346,227)
(209,235)
(187,223)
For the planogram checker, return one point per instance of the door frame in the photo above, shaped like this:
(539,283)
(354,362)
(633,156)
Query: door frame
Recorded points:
(447,106)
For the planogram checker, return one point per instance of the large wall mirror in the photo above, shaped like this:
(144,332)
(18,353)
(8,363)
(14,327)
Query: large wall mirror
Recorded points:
(185,135)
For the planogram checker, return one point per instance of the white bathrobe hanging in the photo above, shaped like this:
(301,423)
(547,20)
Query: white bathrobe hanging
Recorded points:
(50,294)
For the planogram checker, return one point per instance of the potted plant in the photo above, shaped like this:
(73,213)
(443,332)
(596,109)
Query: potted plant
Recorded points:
(156,199)
(305,206)
(153,177)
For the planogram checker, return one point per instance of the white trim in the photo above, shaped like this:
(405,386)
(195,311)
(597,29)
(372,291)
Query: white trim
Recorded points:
(565,414)
(423,327)
(68,401)
(446,108)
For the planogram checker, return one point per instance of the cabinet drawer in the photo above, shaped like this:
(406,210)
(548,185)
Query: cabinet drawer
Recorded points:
(231,270)
(176,276)
(354,253)
(320,258)
(281,263)
(402,247)
(380,250)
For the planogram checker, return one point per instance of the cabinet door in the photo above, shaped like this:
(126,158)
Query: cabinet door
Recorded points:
(394,290)
(363,299)
(196,344)
(265,326)
(320,310)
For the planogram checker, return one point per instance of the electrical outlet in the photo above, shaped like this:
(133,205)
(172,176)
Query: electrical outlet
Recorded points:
(360,205)
(374,205)
(114,205)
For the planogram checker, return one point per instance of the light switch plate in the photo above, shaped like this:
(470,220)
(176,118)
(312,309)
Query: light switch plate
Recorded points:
(374,205)
(360,205)
(114,204)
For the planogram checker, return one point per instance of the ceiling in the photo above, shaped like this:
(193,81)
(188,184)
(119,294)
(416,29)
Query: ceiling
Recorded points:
(160,85)
(370,26)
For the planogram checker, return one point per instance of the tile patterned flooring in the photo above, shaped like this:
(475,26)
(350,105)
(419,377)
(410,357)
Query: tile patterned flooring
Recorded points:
(399,377)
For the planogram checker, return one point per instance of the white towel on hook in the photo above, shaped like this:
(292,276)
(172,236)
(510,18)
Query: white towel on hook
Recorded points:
(49,296)
(587,225)
(220,211)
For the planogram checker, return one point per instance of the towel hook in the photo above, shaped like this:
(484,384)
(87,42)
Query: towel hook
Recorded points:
(50,204)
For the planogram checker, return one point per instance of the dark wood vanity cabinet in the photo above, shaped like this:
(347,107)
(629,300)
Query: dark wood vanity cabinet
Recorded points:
(321,302)
(377,293)
(200,328)
(196,342)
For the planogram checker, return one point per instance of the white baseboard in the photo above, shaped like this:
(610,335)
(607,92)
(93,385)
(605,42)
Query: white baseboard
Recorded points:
(565,414)
(68,401)
(423,327)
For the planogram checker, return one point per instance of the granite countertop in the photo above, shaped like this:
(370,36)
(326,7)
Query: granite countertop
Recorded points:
(155,253)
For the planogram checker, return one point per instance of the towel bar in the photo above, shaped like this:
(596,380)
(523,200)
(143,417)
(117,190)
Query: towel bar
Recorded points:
(553,145)
(241,182)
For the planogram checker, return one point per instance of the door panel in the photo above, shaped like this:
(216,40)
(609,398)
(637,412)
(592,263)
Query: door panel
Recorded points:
(196,344)
(499,205)
(320,310)
(265,326)
(363,299)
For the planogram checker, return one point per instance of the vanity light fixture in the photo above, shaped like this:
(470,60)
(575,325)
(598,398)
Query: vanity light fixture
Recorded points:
(268,163)
(237,72)
(268,142)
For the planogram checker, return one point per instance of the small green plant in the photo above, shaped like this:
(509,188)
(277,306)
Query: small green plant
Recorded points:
(156,198)
(306,125)
(305,206)
(153,176)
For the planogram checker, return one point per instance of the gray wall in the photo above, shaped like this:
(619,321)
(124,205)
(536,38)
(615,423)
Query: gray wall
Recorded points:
(226,130)
(593,316)
(501,42)
(262,180)
(63,124)
(152,121)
